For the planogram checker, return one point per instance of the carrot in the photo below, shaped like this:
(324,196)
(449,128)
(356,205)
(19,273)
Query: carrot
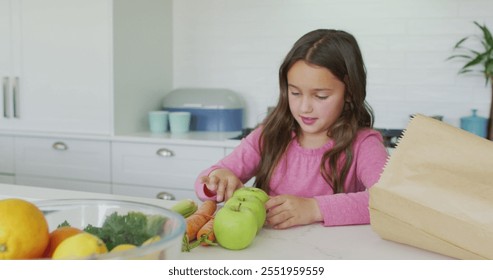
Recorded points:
(206,233)
(198,219)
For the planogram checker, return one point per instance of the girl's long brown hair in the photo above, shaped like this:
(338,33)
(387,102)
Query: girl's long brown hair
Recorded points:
(337,51)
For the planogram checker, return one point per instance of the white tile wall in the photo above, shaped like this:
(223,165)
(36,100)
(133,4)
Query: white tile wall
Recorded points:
(239,44)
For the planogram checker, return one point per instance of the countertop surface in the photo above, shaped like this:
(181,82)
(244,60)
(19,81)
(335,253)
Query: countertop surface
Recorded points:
(303,242)
(194,138)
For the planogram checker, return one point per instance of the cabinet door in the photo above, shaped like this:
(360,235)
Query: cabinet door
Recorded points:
(7,179)
(6,155)
(6,70)
(65,66)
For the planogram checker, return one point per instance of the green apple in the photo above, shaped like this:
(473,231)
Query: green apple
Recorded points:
(235,226)
(259,193)
(252,202)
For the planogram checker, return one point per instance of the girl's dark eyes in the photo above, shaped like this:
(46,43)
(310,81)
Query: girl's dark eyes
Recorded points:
(321,97)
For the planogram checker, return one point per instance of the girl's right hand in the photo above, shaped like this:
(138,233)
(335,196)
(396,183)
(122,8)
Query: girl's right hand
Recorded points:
(222,182)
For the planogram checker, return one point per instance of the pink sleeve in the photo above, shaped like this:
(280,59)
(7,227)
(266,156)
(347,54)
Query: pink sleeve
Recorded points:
(352,208)
(242,161)
(344,208)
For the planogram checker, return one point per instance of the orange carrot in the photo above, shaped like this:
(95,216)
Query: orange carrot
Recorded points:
(206,233)
(198,219)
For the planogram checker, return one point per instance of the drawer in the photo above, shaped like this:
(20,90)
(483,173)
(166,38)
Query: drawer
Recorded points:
(6,154)
(164,166)
(152,192)
(87,160)
(64,184)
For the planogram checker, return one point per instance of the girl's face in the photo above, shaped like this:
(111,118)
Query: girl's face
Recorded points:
(316,100)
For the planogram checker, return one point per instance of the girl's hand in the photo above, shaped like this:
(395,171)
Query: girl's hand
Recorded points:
(284,211)
(222,182)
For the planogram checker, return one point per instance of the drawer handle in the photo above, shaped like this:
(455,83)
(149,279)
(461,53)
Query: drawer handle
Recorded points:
(165,152)
(165,196)
(60,146)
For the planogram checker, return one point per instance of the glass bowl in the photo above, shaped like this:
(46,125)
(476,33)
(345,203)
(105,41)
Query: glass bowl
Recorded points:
(80,213)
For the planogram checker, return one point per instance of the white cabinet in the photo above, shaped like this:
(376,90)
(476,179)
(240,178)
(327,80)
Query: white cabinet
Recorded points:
(147,169)
(6,154)
(6,60)
(83,66)
(7,179)
(119,165)
(63,163)
(6,159)
(60,74)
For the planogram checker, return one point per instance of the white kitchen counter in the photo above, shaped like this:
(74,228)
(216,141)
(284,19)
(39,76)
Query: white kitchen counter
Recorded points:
(195,138)
(304,242)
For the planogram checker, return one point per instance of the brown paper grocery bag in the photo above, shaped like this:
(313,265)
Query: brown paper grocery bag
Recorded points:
(436,191)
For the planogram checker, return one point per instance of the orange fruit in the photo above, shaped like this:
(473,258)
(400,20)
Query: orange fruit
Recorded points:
(24,231)
(57,236)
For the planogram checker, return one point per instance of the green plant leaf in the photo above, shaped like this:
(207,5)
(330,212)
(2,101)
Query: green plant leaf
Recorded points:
(475,58)
(459,56)
(489,68)
(458,45)
(486,34)
(463,71)
(478,59)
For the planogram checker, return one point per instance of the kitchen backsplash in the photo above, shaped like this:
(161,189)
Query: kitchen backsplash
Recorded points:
(239,45)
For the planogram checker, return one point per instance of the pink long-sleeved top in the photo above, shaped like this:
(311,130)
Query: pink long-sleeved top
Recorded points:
(298,173)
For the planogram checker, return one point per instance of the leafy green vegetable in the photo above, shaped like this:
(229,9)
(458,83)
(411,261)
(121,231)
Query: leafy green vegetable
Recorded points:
(64,224)
(131,228)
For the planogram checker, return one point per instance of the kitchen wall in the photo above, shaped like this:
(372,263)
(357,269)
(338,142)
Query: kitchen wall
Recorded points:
(239,44)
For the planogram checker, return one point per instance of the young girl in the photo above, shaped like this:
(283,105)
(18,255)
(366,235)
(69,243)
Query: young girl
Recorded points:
(315,154)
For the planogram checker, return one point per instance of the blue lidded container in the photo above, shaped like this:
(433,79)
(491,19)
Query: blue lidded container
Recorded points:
(212,109)
(475,124)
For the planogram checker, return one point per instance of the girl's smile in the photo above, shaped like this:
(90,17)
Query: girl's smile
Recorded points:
(308,121)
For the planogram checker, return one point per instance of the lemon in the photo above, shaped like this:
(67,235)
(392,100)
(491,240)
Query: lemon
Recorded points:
(153,255)
(57,236)
(23,230)
(81,245)
(153,239)
(123,247)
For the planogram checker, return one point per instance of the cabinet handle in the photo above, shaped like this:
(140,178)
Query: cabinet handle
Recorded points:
(60,146)
(163,152)
(165,196)
(15,88)
(6,101)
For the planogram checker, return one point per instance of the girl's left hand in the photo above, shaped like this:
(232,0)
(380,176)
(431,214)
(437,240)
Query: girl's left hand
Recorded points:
(284,211)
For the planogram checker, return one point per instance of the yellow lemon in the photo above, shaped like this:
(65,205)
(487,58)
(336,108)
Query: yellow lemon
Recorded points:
(153,239)
(57,236)
(154,255)
(24,232)
(123,247)
(79,246)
